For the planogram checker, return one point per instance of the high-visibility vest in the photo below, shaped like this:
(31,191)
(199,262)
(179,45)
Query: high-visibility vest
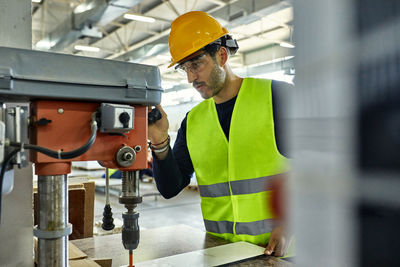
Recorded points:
(111,172)
(233,176)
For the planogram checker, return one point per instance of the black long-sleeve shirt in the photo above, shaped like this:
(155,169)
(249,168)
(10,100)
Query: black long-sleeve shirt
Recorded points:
(174,172)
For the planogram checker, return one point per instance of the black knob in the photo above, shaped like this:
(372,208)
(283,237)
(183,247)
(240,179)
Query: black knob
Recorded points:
(124,119)
(154,116)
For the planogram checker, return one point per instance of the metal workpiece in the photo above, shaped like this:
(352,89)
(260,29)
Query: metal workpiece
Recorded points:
(53,228)
(26,75)
(125,156)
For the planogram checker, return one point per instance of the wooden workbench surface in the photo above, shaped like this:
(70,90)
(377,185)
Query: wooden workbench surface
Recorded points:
(161,242)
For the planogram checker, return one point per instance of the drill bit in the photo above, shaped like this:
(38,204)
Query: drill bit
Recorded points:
(131,258)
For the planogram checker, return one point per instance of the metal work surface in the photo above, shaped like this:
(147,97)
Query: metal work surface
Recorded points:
(27,75)
(162,242)
(214,256)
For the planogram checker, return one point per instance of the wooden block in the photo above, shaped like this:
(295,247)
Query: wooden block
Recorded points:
(74,253)
(75,186)
(104,262)
(83,263)
(89,208)
(77,212)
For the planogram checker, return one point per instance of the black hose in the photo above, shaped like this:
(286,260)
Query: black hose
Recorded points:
(63,155)
(51,153)
(4,166)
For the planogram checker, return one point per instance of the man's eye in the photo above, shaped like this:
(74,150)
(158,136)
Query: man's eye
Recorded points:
(195,65)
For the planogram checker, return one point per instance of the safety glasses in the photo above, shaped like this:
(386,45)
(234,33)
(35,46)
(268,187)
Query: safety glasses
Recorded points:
(194,65)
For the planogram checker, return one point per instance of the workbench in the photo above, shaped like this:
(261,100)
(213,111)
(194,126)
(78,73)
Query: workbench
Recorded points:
(162,242)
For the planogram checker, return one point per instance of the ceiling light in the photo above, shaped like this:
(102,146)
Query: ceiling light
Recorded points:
(287,45)
(36,1)
(87,48)
(44,44)
(84,7)
(139,18)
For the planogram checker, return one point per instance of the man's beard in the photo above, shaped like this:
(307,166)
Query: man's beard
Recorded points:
(216,82)
(217,79)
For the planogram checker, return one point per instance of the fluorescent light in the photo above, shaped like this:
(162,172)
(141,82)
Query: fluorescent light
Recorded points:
(44,44)
(139,18)
(287,45)
(87,48)
(36,1)
(83,7)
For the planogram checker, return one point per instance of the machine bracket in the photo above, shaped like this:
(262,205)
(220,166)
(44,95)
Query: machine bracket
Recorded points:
(5,78)
(136,89)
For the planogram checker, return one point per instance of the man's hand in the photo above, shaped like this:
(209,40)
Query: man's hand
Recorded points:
(158,131)
(278,242)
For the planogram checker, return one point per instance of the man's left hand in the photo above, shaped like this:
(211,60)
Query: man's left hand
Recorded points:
(278,242)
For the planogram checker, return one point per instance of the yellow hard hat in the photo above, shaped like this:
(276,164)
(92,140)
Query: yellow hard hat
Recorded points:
(191,32)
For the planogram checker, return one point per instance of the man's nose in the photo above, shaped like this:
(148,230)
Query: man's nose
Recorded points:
(191,76)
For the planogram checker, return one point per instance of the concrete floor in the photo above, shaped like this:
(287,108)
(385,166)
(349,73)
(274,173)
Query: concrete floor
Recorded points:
(155,211)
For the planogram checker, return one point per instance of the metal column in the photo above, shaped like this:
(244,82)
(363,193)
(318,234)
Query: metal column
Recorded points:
(53,228)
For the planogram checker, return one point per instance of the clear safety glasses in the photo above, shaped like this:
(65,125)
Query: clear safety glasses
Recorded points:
(193,65)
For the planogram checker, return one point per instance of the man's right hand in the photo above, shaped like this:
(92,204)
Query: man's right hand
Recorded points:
(158,131)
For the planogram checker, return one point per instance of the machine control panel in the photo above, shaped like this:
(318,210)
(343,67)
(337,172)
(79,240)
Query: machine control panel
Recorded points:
(115,118)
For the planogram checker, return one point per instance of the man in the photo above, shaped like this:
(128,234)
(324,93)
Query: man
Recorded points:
(228,139)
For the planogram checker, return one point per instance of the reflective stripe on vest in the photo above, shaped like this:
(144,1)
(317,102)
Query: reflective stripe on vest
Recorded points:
(220,227)
(247,228)
(239,187)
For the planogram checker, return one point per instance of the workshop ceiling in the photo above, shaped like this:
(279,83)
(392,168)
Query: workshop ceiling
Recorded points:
(260,26)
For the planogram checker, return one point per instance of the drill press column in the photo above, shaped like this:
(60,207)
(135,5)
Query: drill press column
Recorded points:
(53,228)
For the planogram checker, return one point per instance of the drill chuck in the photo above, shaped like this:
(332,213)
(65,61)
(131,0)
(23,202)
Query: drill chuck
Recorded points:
(130,230)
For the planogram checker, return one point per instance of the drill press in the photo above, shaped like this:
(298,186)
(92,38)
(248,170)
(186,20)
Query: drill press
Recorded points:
(74,99)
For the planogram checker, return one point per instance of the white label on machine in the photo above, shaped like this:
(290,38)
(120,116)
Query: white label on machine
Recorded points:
(208,257)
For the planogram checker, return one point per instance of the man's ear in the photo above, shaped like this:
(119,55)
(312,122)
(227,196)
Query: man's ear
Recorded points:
(223,55)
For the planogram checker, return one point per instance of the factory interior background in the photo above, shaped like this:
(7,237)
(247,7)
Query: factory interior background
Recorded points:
(342,117)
